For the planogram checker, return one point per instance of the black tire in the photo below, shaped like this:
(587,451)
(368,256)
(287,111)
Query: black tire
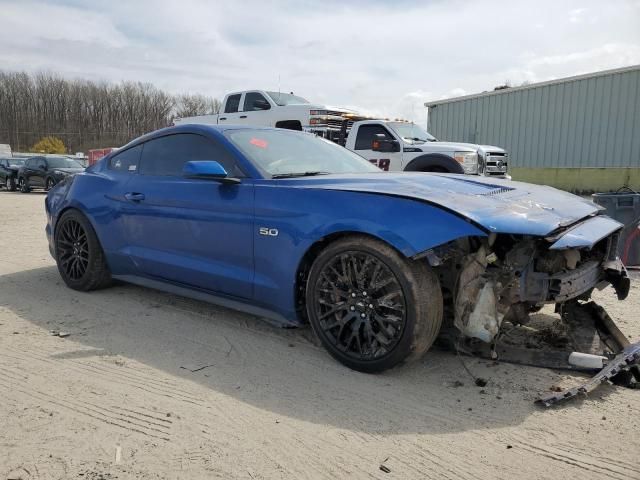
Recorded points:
(369,332)
(10,184)
(436,170)
(79,256)
(23,185)
(49,184)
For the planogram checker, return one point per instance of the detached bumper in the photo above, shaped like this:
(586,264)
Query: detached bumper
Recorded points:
(628,359)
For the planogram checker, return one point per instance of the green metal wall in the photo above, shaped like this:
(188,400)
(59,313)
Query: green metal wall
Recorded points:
(580,123)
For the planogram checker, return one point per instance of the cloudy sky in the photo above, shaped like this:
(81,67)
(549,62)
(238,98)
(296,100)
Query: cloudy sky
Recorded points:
(382,57)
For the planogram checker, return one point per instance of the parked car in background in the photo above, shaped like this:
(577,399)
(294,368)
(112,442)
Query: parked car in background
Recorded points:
(9,172)
(291,226)
(45,172)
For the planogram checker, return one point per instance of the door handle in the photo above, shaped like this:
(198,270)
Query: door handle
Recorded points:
(134,197)
(222,118)
(243,116)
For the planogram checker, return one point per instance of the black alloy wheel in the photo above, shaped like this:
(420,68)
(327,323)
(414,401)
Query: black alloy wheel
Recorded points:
(371,307)
(360,305)
(49,184)
(73,249)
(80,258)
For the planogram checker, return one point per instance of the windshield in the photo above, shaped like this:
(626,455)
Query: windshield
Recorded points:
(287,153)
(62,162)
(283,99)
(16,162)
(412,132)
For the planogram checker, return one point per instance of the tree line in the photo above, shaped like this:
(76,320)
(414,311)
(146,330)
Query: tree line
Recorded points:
(85,114)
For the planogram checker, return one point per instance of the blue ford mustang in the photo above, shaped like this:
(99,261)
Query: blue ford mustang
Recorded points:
(287,225)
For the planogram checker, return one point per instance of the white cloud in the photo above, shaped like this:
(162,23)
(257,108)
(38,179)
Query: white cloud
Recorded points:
(382,57)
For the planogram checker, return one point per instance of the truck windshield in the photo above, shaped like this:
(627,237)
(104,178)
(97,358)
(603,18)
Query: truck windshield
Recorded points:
(412,132)
(283,99)
(283,153)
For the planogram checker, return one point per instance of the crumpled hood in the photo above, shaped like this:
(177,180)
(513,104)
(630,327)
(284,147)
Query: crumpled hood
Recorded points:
(500,206)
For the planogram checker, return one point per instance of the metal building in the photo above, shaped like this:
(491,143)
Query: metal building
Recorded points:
(579,133)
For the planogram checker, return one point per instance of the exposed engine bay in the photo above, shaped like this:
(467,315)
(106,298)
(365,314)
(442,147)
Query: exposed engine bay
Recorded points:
(492,285)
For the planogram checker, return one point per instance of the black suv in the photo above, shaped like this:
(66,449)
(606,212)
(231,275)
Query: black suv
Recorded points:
(9,172)
(45,172)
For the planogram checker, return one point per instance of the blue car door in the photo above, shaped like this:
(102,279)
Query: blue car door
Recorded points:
(190,231)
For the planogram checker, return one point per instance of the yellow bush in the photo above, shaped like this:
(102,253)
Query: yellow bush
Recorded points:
(49,145)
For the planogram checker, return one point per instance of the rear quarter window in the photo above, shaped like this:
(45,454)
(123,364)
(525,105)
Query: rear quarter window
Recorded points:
(126,161)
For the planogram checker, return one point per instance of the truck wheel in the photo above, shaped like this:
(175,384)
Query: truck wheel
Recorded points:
(370,307)
(434,163)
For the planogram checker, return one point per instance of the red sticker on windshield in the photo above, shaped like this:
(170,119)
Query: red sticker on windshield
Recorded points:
(258,142)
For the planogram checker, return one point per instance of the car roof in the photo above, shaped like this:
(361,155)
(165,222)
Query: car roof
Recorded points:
(193,128)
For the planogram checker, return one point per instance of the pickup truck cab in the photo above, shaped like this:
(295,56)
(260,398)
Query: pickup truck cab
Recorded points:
(402,146)
(275,109)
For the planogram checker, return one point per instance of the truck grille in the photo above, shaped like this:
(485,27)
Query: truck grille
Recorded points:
(496,164)
(337,123)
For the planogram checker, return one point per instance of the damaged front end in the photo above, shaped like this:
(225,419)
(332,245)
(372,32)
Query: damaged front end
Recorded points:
(493,284)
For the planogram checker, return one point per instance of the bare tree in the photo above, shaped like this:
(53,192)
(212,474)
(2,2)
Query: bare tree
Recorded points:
(87,114)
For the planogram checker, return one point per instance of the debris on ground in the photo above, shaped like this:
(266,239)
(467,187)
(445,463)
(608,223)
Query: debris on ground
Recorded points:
(481,382)
(56,333)
(195,368)
(627,360)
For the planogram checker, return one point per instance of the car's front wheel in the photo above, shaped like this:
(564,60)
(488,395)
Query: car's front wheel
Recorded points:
(370,307)
(80,258)
(24,186)
(49,184)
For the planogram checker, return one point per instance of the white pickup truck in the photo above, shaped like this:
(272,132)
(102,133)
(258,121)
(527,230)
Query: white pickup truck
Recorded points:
(403,146)
(276,109)
(391,145)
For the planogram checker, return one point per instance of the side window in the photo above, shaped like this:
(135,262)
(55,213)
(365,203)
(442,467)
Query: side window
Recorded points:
(366,134)
(233,102)
(167,155)
(254,101)
(41,163)
(126,161)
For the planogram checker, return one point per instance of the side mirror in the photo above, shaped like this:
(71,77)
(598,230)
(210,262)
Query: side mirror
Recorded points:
(42,167)
(208,170)
(381,144)
(261,104)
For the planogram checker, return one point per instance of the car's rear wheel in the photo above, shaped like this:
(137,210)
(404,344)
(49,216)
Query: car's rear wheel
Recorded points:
(24,186)
(370,307)
(10,183)
(49,184)
(80,258)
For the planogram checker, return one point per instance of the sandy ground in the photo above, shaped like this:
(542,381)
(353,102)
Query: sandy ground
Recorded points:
(149,385)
